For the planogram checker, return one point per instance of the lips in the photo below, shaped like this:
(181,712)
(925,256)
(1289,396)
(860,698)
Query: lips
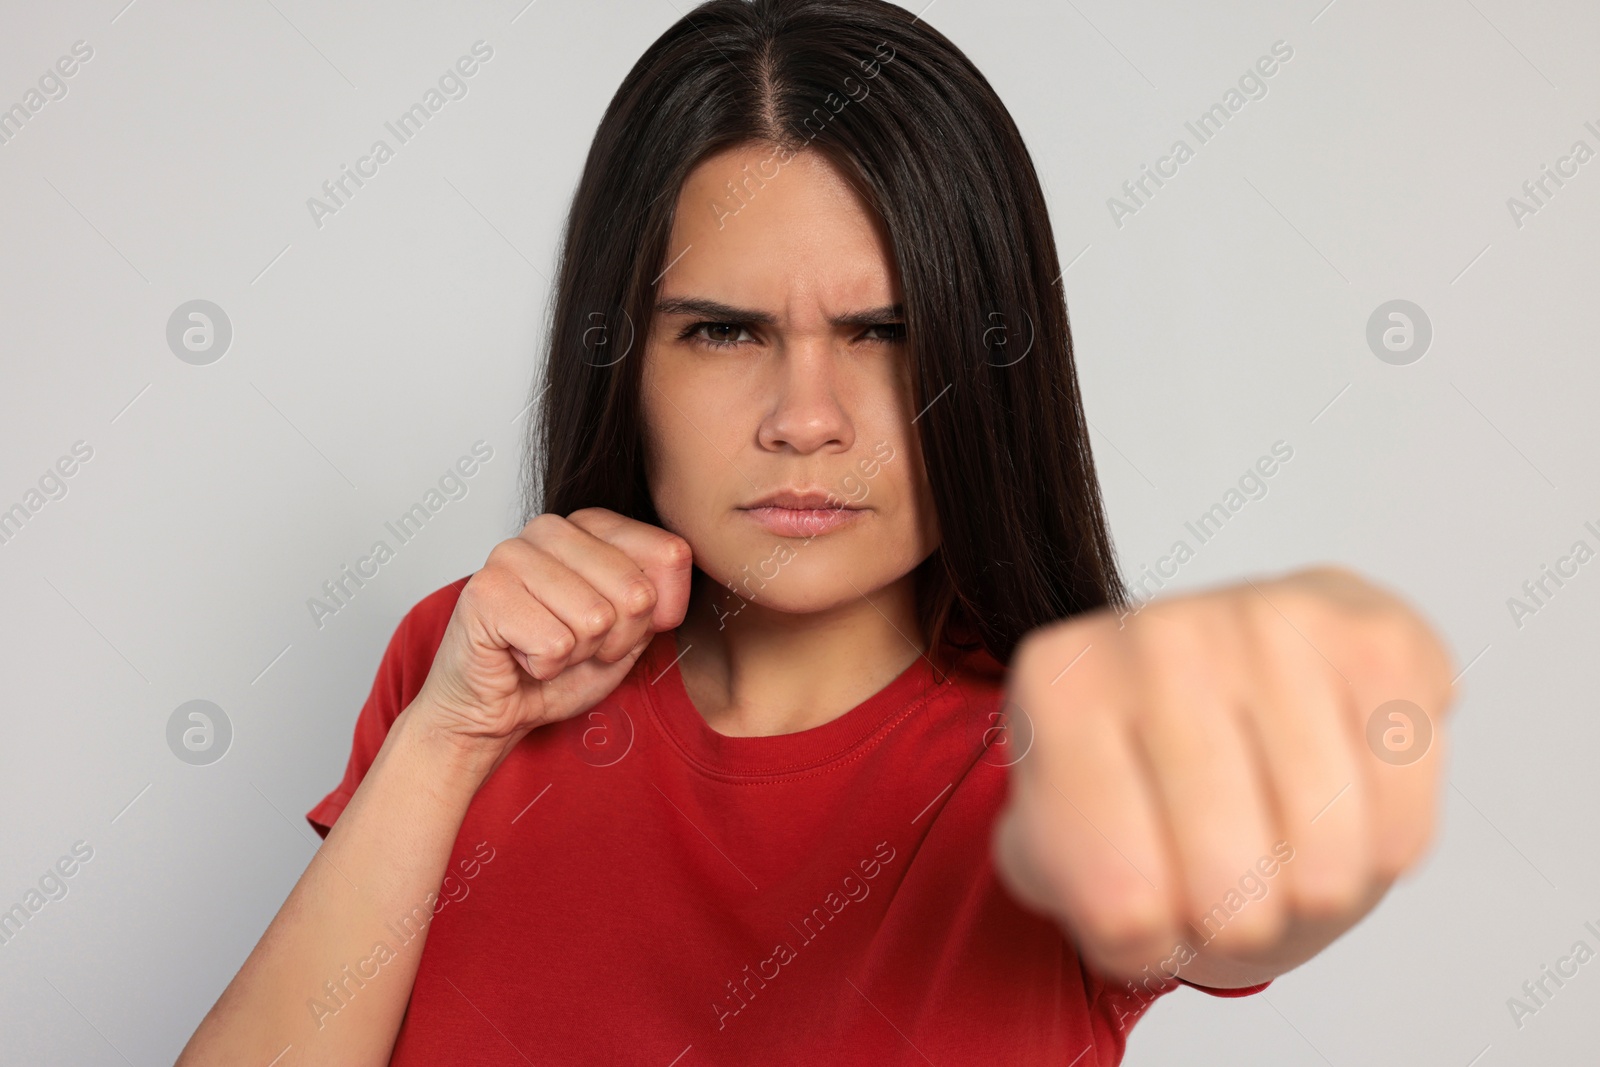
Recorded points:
(802,512)
(803,500)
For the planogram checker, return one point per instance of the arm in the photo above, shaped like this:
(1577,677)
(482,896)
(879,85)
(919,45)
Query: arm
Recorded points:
(549,626)
(383,860)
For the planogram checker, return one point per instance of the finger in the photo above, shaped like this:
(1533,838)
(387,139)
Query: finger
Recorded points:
(1402,693)
(564,592)
(1083,838)
(513,619)
(666,559)
(613,574)
(1398,672)
(583,685)
(1212,798)
(1301,721)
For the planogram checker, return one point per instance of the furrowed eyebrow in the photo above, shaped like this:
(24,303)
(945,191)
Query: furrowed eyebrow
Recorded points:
(720,312)
(872,316)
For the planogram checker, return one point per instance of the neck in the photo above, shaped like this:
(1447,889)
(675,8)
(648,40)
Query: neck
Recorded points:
(762,672)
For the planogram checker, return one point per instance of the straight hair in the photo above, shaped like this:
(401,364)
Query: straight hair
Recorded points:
(908,119)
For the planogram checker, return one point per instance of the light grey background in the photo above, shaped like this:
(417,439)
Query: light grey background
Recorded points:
(370,353)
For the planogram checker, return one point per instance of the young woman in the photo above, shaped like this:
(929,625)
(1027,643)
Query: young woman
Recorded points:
(807,720)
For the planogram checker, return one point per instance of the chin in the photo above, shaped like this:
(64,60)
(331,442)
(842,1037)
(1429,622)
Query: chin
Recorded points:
(794,577)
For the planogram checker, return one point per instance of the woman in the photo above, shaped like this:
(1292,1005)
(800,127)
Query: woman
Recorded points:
(805,720)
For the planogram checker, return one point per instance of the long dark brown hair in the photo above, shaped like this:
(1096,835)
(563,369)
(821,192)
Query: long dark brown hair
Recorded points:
(920,132)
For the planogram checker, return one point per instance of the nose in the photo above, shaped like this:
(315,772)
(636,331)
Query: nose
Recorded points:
(806,413)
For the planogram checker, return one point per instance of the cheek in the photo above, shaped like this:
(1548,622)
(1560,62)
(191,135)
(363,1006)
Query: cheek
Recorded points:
(902,489)
(685,447)
(669,458)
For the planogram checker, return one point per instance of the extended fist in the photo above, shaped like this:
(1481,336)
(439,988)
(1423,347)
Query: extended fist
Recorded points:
(1222,783)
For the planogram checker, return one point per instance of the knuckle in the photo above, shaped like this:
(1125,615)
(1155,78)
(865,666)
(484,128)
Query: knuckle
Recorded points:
(473,596)
(598,619)
(1025,655)
(1044,644)
(1182,637)
(1241,612)
(1330,894)
(1405,627)
(1129,924)
(488,586)
(1324,593)
(1331,877)
(1031,659)
(544,526)
(557,646)
(676,551)
(640,597)
(1335,572)
(502,556)
(1264,617)
(1391,646)
(1251,932)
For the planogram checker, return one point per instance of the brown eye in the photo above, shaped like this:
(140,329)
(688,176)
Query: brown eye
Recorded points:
(715,334)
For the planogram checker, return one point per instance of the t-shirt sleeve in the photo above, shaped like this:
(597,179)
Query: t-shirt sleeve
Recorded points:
(1115,1006)
(401,672)
(1242,991)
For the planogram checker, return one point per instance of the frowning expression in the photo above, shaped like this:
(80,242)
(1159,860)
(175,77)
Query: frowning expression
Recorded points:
(777,387)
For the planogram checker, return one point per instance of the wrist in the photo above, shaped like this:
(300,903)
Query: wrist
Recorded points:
(454,764)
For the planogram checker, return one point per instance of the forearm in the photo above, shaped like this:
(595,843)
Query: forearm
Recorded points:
(378,871)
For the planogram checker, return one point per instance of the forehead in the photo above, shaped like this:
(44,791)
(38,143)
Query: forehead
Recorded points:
(750,228)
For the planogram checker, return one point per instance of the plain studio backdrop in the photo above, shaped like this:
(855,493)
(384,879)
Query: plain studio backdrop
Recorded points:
(223,468)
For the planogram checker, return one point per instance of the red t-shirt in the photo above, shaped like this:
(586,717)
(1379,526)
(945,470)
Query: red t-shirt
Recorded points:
(632,887)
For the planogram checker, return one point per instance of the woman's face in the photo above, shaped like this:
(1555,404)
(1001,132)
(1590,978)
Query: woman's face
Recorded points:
(777,363)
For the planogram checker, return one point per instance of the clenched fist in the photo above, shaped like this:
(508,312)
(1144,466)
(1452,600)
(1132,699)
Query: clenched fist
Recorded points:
(1222,783)
(552,623)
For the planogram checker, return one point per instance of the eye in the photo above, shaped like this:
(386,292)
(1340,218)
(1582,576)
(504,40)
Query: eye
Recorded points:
(716,335)
(896,331)
(727,334)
